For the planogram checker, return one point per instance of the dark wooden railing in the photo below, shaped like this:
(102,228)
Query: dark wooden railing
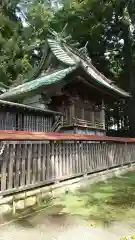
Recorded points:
(31,159)
(84,123)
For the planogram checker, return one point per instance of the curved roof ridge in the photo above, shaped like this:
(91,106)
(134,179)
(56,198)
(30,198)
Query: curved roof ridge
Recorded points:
(75,57)
(48,79)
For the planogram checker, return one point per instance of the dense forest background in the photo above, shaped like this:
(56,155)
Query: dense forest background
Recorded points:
(107,25)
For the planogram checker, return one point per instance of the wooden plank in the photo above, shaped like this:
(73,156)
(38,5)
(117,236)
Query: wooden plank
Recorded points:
(52,161)
(56,164)
(87,157)
(60,161)
(44,159)
(131,152)
(83,158)
(34,163)
(48,151)
(102,153)
(76,157)
(95,157)
(11,165)
(98,156)
(73,157)
(23,164)
(39,168)
(4,160)
(105,163)
(29,158)
(80,156)
(67,159)
(24,135)
(111,154)
(17,167)
(64,158)
(90,156)
(91,151)
(70,158)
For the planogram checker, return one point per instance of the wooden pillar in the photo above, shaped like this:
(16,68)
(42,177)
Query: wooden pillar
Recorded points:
(102,114)
(93,116)
(82,114)
(72,112)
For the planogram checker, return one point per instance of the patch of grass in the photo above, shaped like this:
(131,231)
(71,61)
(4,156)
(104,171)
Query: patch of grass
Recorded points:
(103,202)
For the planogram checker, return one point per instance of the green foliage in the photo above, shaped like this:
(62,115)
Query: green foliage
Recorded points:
(107,26)
(12,45)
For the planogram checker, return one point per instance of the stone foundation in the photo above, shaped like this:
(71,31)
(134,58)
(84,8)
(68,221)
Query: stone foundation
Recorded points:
(13,203)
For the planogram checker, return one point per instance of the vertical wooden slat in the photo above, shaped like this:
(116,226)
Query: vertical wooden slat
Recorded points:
(52,161)
(68,154)
(60,161)
(34,163)
(94,157)
(115,151)
(4,160)
(29,158)
(23,164)
(91,155)
(67,159)
(80,156)
(43,162)
(11,164)
(99,156)
(111,151)
(44,124)
(64,158)
(102,153)
(17,168)
(56,161)
(71,160)
(105,161)
(76,158)
(48,154)
(39,162)
(83,157)
(87,160)
(131,152)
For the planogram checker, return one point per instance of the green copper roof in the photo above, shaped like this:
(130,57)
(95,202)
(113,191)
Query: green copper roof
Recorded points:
(69,57)
(37,83)
(71,60)
(60,53)
(99,78)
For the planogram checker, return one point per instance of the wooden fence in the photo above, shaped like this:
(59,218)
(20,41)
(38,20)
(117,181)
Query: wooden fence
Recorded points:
(29,159)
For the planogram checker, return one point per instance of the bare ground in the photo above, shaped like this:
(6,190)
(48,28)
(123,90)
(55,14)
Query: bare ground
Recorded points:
(41,227)
(72,216)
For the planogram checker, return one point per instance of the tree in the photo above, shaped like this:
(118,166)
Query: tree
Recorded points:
(107,26)
(14,59)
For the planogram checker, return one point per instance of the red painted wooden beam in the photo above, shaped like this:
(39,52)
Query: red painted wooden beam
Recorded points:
(24,135)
